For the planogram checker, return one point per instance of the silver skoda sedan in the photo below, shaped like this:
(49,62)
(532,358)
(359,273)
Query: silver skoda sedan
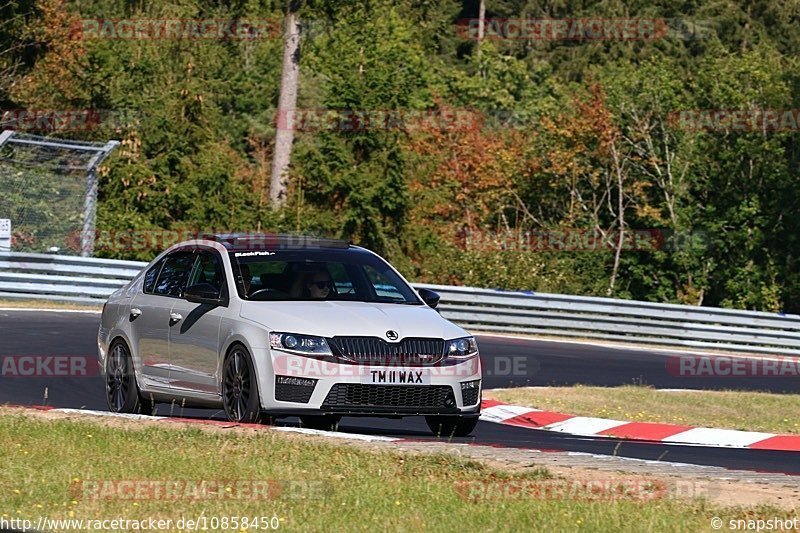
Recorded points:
(267,326)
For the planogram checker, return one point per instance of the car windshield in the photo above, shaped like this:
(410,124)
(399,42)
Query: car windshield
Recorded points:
(312,275)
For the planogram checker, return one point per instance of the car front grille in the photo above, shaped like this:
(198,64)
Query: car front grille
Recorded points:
(359,395)
(410,351)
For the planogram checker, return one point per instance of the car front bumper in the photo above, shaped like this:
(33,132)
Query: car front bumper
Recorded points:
(295,385)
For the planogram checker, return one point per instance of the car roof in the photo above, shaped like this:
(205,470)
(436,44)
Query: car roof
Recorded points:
(275,241)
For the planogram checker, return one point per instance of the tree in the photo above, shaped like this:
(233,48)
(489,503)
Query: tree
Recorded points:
(352,172)
(284,136)
(15,45)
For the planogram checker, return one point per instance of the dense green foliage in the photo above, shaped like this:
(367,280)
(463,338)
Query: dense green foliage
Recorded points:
(565,135)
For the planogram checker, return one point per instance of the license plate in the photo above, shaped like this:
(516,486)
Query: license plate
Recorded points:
(396,376)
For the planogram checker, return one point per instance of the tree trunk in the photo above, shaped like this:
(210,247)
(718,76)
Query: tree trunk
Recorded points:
(287,101)
(620,218)
(481,22)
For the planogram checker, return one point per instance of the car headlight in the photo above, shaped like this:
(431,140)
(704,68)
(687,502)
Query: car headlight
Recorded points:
(308,345)
(464,348)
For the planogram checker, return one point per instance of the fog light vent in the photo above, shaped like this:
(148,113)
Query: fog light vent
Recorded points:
(470,392)
(294,389)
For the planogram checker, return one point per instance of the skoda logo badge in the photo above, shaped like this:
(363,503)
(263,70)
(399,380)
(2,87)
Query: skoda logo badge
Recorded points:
(391,335)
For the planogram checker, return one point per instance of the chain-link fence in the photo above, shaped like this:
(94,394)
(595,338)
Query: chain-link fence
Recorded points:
(48,190)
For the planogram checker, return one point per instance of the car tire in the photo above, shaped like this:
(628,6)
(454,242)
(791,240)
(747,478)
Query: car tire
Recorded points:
(322,422)
(240,397)
(451,426)
(122,392)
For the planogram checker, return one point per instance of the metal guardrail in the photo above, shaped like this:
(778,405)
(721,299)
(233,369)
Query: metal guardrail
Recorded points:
(63,278)
(89,280)
(630,321)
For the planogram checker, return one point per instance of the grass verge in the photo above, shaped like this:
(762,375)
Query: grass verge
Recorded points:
(48,465)
(48,304)
(748,411)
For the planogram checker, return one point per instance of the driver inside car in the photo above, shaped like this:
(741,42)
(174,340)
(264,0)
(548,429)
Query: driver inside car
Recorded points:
(318,285)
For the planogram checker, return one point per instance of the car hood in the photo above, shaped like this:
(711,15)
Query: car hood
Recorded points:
(329,319)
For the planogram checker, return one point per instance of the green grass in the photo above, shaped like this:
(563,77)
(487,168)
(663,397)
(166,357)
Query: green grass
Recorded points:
(48,304)
(363,489)
(748,411)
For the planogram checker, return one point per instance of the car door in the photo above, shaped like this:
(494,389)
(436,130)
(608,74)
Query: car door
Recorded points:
(150,315)
(194,333)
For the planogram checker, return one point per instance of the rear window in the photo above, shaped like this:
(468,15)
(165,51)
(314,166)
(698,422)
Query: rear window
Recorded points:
(173,274)
(151,276)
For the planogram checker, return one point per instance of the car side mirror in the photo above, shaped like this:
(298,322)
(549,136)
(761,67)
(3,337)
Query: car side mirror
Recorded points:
(430,297)
(204,293)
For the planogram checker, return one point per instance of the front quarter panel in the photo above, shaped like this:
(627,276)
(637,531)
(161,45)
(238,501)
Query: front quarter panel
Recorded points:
(115,323)
(255,338)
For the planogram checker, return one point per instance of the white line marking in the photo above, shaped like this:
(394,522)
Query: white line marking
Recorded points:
(726,438)
(644,461)
(684,390)
(306,431)
(584,425)
(500,413)
(337,435)
(108,414)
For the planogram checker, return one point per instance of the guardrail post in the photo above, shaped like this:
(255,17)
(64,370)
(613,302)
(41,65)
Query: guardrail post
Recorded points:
(90,202)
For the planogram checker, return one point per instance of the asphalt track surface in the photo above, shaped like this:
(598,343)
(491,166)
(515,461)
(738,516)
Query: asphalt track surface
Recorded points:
(507,362)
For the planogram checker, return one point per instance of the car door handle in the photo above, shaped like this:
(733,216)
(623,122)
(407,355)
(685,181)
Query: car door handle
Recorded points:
(136,312)
(175,317)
